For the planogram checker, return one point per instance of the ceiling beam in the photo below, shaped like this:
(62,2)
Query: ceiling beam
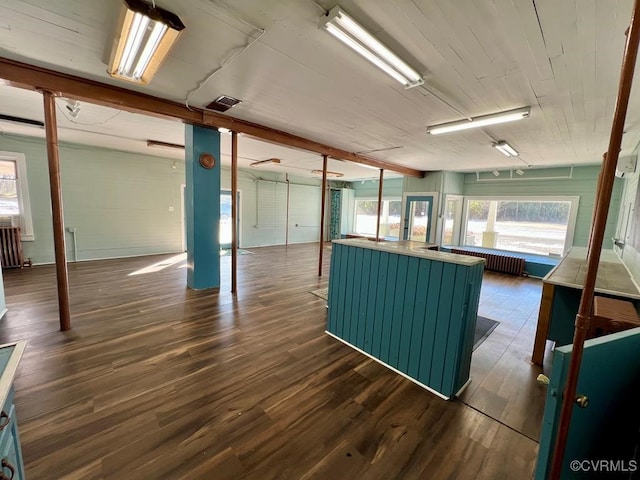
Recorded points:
(30,76)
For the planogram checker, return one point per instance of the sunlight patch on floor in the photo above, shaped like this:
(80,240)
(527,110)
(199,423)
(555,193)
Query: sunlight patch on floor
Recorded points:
(156,267)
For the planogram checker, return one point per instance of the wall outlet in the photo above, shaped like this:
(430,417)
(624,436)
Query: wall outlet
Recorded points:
(171,209)
(71,229)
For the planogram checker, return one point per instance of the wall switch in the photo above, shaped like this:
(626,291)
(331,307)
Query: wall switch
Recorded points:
(171,209)
(71,229)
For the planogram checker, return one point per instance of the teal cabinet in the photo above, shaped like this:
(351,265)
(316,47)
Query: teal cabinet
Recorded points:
(11,462)
(410,308)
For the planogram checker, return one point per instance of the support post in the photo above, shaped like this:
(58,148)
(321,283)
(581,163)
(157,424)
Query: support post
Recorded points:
(57,212)
(583,318)
(380,185)
(324,199)
(234,212)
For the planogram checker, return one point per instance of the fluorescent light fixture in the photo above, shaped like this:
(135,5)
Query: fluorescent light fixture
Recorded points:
(496,173)
(146,34)
(263,162)
(520,172)
(482,121)
(506,149)
(329,174)
(159,144)
(352,34)
(21,121)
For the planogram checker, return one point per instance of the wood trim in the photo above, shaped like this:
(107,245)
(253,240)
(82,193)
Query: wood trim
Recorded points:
(57,213)
(29,76)
(544,320)
(380,185)
(322,207)
(234,212)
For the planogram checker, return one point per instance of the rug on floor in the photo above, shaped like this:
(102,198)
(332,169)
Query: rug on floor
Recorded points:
(484,325)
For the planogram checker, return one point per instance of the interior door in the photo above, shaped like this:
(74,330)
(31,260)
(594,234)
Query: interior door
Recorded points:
(607,429)
(417,218)
(225,219)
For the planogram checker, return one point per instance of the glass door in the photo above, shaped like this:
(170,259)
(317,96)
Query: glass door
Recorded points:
(452,220)
(225,219)
(417,218)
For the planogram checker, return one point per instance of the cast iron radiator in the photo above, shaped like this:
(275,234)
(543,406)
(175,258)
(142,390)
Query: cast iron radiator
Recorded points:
(11,248)
(497,262)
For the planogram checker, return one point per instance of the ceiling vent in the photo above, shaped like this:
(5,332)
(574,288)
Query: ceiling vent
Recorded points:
(223,103)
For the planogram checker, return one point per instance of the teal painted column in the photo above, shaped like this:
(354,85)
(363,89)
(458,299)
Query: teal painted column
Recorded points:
(202,208)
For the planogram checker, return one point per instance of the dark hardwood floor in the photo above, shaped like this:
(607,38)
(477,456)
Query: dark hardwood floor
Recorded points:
(156,381)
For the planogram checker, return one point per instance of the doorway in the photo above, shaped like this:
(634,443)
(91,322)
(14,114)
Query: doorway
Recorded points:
(418,214)
(452,224)
(225,219)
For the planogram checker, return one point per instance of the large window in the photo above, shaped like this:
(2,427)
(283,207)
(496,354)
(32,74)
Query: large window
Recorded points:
(15,206)
(367,216)
(531,225)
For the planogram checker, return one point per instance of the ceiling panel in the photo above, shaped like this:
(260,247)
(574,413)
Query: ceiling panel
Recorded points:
(561,57)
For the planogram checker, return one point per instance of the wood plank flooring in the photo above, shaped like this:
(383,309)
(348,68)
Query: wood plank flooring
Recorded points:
(156,381)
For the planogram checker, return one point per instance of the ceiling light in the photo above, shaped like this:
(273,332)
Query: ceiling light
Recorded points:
(159,144)
(520,172)
(73,107)
(482,121)
(352,34)
(263,162)
(146,34)
(506,149)
(496,173)
(224,130)
(329,174)
(21,121)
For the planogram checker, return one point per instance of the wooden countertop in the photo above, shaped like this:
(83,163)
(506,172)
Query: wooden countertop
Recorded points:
(412,249)
(613,277)
(10,355)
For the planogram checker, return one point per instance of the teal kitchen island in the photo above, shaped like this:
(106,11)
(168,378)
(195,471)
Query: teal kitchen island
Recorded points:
(408,307)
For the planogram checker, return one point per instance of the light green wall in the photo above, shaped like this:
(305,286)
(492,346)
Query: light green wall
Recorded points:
(582,184)
(263,224)
(432,182)
(391,188)
(625,225)
(119,203)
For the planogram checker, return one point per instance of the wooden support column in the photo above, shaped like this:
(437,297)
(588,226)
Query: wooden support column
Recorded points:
(380,185)
(57,213)
(583,318)
(324,199)
(234,212)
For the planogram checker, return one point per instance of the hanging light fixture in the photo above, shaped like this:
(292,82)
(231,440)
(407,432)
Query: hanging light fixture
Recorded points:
(506,149)
(482,121)
(146,33)
(352,34)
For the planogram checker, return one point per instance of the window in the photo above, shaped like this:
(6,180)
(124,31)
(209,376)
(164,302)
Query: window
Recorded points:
(367,217)
(15,206)
(529,225)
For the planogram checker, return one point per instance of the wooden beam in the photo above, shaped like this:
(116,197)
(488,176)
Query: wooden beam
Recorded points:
(57,212)
(583,318)
(380,184)
(234,212)
(324,200)
(132,101)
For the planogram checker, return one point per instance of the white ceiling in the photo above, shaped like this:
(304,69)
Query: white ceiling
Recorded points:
(561,57)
